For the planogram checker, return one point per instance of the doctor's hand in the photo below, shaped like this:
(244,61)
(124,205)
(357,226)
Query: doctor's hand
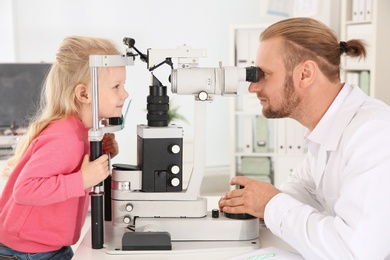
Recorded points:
(251,199)
(110,145)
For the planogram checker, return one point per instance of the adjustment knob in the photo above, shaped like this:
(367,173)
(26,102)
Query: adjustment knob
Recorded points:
(126,219)
(215,213)
(175,169)
(129,207)
(175,182)
(203,96)
(175,149)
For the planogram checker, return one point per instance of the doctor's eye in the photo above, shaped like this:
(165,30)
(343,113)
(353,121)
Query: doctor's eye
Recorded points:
(263,74)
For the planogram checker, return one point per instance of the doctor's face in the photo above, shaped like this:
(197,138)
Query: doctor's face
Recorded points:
(275,89)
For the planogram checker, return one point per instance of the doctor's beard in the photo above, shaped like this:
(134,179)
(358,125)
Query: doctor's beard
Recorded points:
(290,101)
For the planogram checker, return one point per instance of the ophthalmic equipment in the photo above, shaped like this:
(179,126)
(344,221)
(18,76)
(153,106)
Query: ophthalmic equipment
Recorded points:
(146,203)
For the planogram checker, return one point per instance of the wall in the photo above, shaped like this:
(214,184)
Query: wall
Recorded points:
(31,31)
(7,44)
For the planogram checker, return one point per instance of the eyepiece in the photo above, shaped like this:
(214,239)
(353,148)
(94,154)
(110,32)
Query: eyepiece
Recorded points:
(252,74)
(158,104)
(129,42)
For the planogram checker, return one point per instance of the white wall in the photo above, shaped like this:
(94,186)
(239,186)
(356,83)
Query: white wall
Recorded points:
(33,31)
(7,44)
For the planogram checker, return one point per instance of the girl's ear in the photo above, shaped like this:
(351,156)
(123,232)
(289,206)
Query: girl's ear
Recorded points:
(82,94)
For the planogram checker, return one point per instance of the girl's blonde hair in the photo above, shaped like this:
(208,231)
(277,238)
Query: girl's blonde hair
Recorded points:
(58,98)
(309,39)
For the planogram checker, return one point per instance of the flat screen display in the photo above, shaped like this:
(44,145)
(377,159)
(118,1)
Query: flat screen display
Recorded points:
(20,89)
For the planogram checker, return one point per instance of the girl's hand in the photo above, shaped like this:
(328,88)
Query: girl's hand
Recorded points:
(110,145)
(94,172)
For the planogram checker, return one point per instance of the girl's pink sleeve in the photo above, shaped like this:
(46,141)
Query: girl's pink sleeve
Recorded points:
(52,172)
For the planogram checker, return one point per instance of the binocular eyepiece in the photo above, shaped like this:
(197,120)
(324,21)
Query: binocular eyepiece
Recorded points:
(252,74)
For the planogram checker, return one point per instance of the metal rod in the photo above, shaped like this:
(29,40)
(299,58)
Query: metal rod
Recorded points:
(97,224)
(95,99)
(97,227)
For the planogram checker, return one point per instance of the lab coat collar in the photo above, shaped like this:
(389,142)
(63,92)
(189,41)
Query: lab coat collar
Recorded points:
(327,133)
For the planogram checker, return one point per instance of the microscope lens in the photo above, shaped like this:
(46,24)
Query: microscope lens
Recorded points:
(158,104)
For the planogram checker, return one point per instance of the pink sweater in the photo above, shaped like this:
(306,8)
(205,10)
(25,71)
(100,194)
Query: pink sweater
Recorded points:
(44,205)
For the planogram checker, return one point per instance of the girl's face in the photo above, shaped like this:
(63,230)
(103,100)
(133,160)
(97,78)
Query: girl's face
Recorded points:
(112,93)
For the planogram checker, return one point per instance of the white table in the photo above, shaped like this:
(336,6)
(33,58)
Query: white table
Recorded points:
(266,239)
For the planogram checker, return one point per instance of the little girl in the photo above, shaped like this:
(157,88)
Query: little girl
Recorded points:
(45,201)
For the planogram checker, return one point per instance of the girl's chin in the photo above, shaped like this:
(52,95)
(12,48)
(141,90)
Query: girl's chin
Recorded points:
(111,116)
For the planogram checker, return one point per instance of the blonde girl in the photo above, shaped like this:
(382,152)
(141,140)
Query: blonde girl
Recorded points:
(45,201)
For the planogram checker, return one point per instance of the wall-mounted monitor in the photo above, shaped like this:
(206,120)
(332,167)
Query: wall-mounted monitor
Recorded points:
(20,89)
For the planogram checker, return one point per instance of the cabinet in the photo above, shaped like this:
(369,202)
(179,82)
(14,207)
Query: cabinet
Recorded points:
(367,20)
(263,149)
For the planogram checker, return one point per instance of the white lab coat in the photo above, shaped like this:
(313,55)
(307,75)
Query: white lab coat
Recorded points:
(337,203)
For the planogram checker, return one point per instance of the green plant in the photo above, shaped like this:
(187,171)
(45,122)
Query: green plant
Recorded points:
(174,115)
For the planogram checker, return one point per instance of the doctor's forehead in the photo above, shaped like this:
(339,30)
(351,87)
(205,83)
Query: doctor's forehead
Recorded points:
(269,53)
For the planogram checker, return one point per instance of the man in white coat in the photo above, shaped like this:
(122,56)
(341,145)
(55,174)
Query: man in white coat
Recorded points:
(336,205)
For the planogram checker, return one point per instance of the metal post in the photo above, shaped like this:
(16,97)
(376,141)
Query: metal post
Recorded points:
(97,224)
